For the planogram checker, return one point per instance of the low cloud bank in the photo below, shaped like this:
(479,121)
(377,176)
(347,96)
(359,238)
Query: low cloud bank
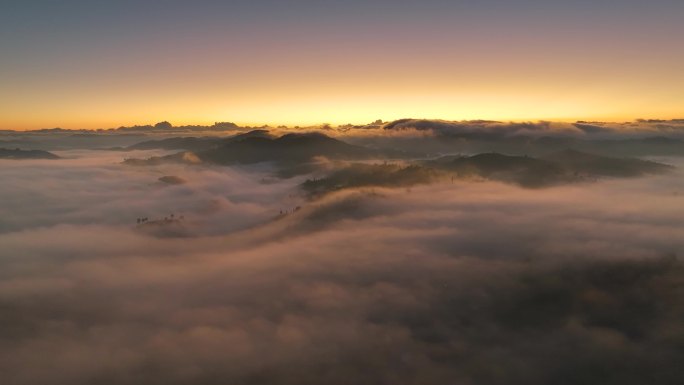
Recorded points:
(486,129)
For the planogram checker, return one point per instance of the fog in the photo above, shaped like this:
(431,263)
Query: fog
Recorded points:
(455,282)
(93,187)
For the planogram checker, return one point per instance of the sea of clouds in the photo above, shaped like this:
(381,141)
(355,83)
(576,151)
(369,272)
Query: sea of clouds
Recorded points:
(450,283)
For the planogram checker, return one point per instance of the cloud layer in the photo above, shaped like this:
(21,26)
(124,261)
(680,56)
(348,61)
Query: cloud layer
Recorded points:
(468,283)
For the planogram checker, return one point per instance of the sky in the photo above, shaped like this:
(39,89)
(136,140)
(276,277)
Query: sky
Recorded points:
(100,64)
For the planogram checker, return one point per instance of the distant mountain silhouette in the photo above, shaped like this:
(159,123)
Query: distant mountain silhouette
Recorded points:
(258,146)
(6,153)
(290,148)
(295,154)
(195,143)
(250,134)
(582,162)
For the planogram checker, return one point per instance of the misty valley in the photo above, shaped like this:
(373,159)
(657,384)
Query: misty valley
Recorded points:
(403,252)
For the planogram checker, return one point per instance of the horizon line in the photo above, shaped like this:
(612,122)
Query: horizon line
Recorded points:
(323,124)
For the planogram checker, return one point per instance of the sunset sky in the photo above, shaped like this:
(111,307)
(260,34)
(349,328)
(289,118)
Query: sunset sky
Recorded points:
(92,64)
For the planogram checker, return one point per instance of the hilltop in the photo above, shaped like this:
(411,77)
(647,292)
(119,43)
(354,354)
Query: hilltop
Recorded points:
(558,168)
(6,153)
(257,146)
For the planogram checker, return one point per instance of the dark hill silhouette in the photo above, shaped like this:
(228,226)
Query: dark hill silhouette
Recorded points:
(364,175)
(560,167)
(290,148)
(196,143)
(249,134)
(289,152)
(582,162)
(6,153)
(522,170)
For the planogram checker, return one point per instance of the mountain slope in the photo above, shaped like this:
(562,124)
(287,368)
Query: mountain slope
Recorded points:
(582,162)
(6,153)
(290,148)
(196,143)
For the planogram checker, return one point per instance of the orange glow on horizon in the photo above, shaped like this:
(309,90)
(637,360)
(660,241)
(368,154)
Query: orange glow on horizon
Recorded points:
(335,109)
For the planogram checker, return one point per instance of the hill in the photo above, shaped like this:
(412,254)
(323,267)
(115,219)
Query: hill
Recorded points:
(559,167)
(289,149)
(366,175)
(6,153)
(195,143)
(522,170)
(582,162)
